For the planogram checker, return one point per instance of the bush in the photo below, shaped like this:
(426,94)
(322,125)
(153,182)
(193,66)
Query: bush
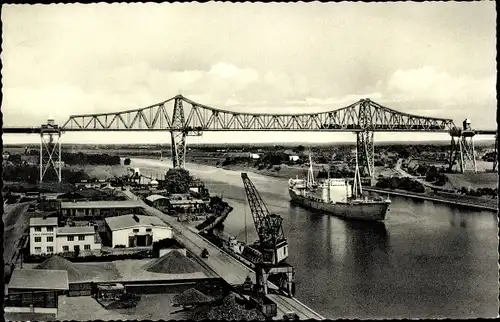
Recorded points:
(126,161)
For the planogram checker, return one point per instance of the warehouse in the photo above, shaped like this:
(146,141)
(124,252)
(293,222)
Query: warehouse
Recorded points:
(77,239)
(136,230)
(157,201)
(34,292)
(190,206)
(100,208)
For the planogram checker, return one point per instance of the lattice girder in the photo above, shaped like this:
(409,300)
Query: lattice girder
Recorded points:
(363,115)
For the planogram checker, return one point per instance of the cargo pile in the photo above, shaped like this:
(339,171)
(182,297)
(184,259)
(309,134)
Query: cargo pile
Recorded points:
(191,296)
(59,263)
(172,263)
(229,310)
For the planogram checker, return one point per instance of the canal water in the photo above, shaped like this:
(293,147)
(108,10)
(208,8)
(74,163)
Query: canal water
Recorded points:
(427,260)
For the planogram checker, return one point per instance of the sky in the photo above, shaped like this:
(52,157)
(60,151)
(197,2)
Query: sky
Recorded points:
(432,59)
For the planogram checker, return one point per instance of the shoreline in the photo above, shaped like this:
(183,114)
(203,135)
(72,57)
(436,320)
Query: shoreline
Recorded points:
(290,172)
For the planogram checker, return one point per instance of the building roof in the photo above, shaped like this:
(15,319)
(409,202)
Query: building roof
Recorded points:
(128,221)
(101,204)
(71,195)
(153,198)
(77,230)
(186,201)
(39,279)
(50,221)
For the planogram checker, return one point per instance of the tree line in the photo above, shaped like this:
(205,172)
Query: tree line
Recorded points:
(92,159)
(407,184)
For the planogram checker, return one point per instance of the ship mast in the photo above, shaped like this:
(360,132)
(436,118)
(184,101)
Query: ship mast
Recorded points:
(357,179)
(310,175)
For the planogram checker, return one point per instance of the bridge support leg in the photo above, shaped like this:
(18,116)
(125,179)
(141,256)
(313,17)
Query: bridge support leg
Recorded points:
(462,151)
(495,160)
(364,141)
(50,153)
(178,136)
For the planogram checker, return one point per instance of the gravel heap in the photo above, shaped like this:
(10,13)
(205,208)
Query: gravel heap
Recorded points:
(59,263)
(191,296)
(172,263)
(230,310)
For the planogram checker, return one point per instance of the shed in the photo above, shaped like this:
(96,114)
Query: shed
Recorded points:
(29,280)
(157,201)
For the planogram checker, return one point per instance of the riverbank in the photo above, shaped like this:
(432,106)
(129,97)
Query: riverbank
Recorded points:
(459,200)
(282,171)
(286,172)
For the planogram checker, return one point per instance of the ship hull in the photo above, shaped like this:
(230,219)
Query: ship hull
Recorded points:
(374,211)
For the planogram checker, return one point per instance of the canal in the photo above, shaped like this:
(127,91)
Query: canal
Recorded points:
(427,260)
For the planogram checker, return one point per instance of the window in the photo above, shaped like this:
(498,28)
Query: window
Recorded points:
(38,229)
(38,239)
(86,247)
(136,230)
(38,249)
(65,248)
(49,239)
(81,237)
(71,238)
(50,228)
(148,229)
(50,249)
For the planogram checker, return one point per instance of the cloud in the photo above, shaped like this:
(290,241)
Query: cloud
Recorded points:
(427,84)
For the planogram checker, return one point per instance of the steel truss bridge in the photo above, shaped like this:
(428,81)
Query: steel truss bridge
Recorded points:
(183,117)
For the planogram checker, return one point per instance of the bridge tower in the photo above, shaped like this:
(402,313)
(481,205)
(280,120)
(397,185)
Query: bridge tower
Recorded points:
(495,160)
(462,148)
(364,142)
(178,135)
(50,149)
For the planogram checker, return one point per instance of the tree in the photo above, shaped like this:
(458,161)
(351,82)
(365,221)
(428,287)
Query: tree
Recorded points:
(177,181)
(126,161)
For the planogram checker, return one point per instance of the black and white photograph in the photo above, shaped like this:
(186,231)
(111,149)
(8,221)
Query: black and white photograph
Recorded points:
(250,161)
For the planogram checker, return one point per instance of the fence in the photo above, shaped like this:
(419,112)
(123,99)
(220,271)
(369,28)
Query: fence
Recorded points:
(150,286)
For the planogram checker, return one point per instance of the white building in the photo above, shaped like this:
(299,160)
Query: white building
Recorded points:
(43,235)
(47,238)
(255,156)
(136,230)
(293,157)
(82,239)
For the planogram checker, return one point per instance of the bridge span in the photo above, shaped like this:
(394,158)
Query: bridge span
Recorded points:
(188,118)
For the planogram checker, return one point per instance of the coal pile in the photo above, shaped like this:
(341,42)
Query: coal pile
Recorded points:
(230,310)
(172,263)
(191,296)
(59,263)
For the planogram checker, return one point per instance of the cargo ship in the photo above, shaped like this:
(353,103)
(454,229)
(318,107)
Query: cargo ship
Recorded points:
(337,197)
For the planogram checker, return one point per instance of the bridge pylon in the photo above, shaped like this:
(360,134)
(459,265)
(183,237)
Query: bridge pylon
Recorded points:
(495,160)
(50,150)
(365,151)
(462,149)
(178,136)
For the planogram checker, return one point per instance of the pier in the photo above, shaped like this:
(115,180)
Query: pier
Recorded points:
(460,201)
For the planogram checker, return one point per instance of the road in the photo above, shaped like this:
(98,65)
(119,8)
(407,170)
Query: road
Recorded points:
(15,222)
(233,271)
(405,174)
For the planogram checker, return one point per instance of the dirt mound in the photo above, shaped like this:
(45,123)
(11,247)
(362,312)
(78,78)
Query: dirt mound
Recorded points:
(230,310)
(172,263)
(59,263)
(191,296)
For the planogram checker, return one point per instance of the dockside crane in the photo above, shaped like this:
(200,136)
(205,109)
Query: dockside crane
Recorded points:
(272,247)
